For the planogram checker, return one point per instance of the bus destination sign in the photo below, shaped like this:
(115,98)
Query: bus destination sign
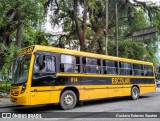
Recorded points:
(27,50)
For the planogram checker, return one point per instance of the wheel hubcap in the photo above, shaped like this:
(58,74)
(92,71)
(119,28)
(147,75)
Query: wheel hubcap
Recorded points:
(135,93)
(68,100)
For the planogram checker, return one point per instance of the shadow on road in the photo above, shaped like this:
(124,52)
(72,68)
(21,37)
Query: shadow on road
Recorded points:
(36,109)
(55,108)
(112,100)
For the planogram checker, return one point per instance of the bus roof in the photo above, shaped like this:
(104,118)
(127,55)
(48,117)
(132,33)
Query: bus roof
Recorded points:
(87,54)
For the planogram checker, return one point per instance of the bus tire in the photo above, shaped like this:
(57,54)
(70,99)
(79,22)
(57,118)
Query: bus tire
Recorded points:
(68,100)
(135,93)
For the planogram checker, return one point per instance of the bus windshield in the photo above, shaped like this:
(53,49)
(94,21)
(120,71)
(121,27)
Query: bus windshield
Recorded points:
(21,69)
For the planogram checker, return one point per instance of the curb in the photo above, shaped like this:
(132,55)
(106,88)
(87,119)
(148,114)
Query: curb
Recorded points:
(5,102)
(8,106)
(4,97)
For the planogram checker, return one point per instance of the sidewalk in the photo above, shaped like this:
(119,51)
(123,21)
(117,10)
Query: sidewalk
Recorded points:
(158,89)
(4,102)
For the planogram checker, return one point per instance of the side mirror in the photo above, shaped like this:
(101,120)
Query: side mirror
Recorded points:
(158,76)
(10,78)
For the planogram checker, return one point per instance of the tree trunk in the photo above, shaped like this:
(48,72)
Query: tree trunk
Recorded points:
(2,59)
(19,35)
(96,37)
(83,40)
(99,50)
(78,28)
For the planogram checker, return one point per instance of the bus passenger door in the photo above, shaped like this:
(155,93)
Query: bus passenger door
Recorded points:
(40,95)
(42,79)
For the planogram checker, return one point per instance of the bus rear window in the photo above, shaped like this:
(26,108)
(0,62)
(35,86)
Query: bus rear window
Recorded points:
(148,70)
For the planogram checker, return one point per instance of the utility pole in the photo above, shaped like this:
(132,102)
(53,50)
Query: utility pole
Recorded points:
(117,29)
(106,33)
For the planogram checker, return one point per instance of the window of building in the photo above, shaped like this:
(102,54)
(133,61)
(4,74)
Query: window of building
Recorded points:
(70,64)
(109,67)
(125,68)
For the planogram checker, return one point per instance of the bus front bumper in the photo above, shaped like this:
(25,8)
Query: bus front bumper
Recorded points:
(21,99)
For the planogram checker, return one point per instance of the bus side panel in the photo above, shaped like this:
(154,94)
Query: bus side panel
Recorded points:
(127,90)
(55,96)
(81,94)
(89,92)
(94,92)
(40,95)
(115,91)
(147,89)
(100,93)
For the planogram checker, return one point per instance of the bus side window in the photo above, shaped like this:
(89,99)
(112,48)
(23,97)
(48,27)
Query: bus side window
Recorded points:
(125,68)
(44,67)
(70,64)
(109,67)
(148,70)
(44,64)
(138,70)
(91,65)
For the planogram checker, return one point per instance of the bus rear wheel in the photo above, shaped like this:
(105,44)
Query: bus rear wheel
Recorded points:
(135,93)
(68,100)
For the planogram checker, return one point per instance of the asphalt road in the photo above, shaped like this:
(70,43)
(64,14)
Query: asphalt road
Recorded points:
(146,103)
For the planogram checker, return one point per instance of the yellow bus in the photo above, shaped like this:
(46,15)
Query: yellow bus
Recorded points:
(49,75)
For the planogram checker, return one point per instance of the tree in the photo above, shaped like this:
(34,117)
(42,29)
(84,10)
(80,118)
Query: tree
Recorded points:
(85,21)
(16,15)
(82,20)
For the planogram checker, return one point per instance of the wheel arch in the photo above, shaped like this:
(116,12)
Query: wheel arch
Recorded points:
(135,86)
(72,88)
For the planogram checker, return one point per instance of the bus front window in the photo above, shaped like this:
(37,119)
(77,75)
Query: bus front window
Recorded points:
(21,69)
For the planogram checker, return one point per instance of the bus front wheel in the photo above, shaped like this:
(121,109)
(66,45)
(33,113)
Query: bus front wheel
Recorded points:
(68,100)
(135,93)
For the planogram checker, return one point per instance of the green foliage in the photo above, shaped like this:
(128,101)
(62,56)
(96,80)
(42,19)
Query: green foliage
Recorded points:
(27,9)
(33,36)
(131,18)
(30,13)
(134,50)
(10,53)
(4,85)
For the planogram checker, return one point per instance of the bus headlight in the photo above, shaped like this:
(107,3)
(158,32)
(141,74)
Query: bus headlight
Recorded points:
(23,87)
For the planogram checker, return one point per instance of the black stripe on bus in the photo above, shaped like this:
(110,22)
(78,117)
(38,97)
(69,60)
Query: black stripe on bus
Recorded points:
(65,81)
(100,81)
